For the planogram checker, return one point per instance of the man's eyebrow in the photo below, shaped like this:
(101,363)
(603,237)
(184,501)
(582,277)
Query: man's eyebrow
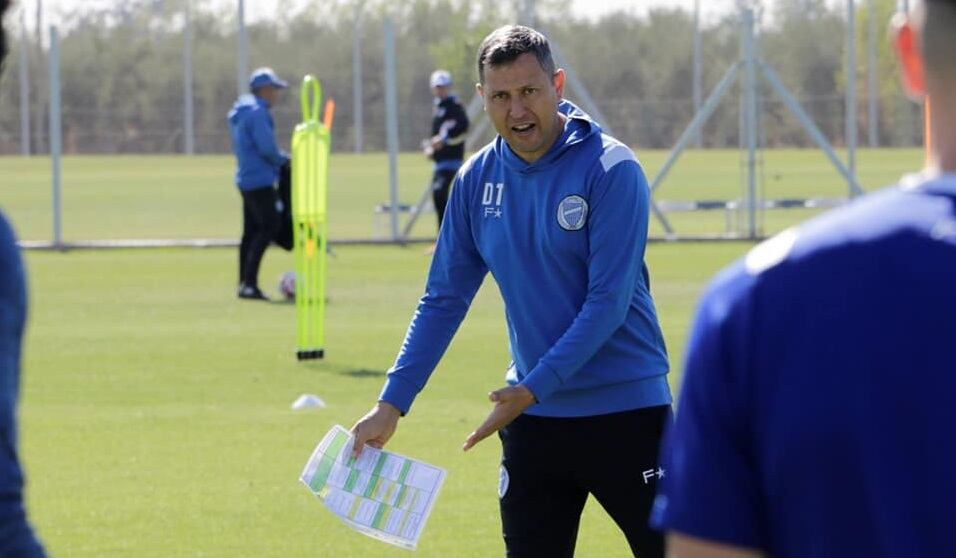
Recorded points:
(516,88)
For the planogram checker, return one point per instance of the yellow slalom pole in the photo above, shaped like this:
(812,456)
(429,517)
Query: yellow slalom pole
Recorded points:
(311,143)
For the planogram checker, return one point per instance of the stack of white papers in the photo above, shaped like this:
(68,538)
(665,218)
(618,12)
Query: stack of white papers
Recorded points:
(381,494)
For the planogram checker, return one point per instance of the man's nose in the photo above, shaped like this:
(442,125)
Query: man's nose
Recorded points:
(518,107)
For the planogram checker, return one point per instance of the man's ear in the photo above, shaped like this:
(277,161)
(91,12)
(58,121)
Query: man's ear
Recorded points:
(906,44)
(481,91)
(559,81)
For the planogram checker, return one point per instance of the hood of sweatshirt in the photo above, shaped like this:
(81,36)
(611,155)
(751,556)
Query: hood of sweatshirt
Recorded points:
(245,103)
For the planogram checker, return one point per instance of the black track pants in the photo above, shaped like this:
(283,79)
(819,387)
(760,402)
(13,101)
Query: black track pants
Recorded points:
(550,466)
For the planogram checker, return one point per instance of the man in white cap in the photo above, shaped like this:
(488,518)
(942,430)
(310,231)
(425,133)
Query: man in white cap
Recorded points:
(447,143)
(259,162)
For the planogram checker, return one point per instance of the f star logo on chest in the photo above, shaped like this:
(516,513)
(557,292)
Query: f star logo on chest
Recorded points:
(491,199)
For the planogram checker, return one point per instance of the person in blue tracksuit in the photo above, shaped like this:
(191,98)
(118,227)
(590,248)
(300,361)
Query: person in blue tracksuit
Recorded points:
(16,537)
(557,212)
(259,163)
(819,395)
(446,146)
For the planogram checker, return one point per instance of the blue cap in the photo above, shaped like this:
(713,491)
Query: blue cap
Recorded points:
(262,77)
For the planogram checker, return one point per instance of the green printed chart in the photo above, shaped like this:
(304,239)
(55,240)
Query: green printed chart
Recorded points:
(381,494)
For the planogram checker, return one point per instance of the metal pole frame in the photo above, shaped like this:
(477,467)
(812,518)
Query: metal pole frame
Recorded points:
(24,87)
(851,131)
(697,85)
(750,119)
(527,13)
(242,62)
(749,63)
(710,104)
(815,134)
(873,119)
(189,138)
(391,120)
(357,94)
(55,134)
(579,90)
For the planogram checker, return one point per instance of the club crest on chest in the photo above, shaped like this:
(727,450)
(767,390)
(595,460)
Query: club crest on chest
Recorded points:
(573,213)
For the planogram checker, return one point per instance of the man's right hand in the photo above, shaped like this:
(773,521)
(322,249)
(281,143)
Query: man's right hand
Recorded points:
(376,427)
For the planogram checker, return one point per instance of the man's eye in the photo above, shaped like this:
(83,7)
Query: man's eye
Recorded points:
(499,96)
(531,91)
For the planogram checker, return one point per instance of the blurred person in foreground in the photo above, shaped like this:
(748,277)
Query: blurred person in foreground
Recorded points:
(816,417)
(557,211)
(446,146)
(16,537)
(259,165)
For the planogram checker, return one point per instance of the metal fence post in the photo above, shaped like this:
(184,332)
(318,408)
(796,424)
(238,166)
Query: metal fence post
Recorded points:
(391,117)
(55,139)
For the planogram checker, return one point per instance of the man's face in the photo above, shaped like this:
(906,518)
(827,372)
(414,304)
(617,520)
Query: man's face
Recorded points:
(441,91)
(270,94)
(521,100)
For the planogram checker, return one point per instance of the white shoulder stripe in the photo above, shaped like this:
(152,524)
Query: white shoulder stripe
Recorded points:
(617,153)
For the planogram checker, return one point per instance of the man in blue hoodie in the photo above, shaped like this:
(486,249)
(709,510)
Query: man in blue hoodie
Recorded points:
(558,213)
(259,161)
(16,536)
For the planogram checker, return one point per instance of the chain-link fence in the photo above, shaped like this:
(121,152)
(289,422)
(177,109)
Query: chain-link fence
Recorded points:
(122,90)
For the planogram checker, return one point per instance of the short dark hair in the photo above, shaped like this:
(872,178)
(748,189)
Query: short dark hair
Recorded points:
(505,44)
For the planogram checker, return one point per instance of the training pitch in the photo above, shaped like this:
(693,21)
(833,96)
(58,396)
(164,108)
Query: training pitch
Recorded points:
(155,411)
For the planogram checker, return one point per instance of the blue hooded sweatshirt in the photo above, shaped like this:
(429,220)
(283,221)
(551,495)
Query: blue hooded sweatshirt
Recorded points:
(564,238)
(16,536)
(258,156)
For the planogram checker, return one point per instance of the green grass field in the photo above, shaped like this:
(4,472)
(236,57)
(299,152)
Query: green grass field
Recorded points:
(155,415)
(180,197)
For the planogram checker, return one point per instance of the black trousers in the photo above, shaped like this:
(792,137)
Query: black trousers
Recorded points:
(260,221)
(550,465)
(441,185)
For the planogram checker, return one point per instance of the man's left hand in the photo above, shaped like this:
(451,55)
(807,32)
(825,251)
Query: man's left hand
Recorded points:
(437,143)
(509,403)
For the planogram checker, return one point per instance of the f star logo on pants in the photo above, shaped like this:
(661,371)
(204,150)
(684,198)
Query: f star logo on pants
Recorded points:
(650,474)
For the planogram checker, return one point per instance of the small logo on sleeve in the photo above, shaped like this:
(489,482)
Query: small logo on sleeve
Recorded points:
(573,213)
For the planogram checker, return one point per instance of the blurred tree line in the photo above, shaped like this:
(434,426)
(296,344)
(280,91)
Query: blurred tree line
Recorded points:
(122,70)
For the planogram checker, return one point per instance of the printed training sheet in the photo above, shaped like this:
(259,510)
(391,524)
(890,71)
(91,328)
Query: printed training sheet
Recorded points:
(381,494)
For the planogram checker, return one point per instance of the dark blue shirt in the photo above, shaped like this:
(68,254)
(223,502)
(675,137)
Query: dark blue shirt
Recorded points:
(819,400)
(16,537)
(450,123)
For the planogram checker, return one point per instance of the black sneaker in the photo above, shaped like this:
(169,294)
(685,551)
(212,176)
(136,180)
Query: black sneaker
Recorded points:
(250,292)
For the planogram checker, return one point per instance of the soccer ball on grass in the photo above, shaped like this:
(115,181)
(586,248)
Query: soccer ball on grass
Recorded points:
(287,285)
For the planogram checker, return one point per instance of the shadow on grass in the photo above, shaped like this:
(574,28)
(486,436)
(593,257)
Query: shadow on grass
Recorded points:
(291,301)
(363,373)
